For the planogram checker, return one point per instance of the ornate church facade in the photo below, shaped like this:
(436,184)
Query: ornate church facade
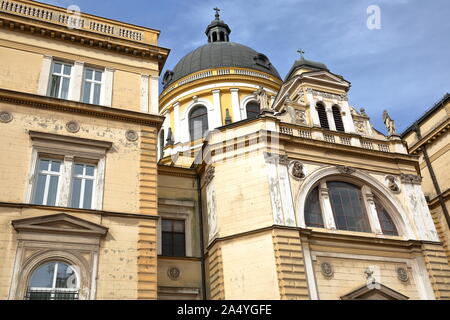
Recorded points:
(234,184)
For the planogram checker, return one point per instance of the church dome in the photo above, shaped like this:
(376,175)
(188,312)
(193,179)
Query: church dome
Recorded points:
(218,55)
(219,52)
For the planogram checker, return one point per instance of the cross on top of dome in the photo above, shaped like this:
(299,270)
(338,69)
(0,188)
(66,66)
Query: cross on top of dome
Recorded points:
(218,31)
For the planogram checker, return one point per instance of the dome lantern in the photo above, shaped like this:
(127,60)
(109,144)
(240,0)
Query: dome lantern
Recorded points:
(218,31)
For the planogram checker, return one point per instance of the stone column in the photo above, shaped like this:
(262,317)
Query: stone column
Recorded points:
(215,114)
(235,105)
(327,210)
(371,209)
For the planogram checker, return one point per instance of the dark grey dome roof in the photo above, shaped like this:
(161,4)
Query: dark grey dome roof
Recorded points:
(220,54)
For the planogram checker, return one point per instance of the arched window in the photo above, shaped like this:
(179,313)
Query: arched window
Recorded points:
(161,143)
(53,281)
(253,110)
(387,225)
(348,207)
(322,116)
(313,213)
(222,36)
(198,122)
(214,35)
(338,119)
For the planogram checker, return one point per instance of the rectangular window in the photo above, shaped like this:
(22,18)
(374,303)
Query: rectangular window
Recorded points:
(60,80)
(47,180)
(92,86)
(173,238)
(83,182)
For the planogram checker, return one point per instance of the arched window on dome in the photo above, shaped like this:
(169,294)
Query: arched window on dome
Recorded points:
(161,143)
(53,280)
(322,116)
(222,36)
(387,225)
(313,213)
(253,110)
(198,122)
(214,36)
(338,118)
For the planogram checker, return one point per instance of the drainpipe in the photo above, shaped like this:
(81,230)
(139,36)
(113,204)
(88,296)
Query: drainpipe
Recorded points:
(202,243)
(424,151)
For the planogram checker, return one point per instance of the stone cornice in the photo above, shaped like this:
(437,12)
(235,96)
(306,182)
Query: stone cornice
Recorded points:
(170,92)
(176,171)
(76,210)
(434,134)
(83,37)
(43,102)
(335,237)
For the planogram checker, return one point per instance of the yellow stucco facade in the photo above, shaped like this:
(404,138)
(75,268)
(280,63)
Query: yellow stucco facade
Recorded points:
(110,243)
(233,184)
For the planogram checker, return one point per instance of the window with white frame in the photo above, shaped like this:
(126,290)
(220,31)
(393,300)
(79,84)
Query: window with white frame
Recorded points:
(47,182)
(60,80)
(54,175)
(83,183)
(67,171)
(92,86)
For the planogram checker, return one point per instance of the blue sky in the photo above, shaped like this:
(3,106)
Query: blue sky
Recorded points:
(403,67)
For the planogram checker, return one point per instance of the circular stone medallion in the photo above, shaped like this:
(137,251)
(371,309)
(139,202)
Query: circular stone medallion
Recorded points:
(131,135)
(73,126)
(5,116)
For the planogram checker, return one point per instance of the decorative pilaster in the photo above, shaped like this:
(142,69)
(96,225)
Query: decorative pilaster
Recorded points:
(109,83)
(44,77)
(145,83)
(154,94)
(77,81)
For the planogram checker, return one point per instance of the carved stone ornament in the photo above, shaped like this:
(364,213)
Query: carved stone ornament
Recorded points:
(316,93)
(5,116)
(173,273)
(132,135)
(402,274)
(73,126)
(410,178)
(276,158)
(297,170)
(360,127)
(209,176)
(346,170)
(327,269)
(283,160)
(392,184)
